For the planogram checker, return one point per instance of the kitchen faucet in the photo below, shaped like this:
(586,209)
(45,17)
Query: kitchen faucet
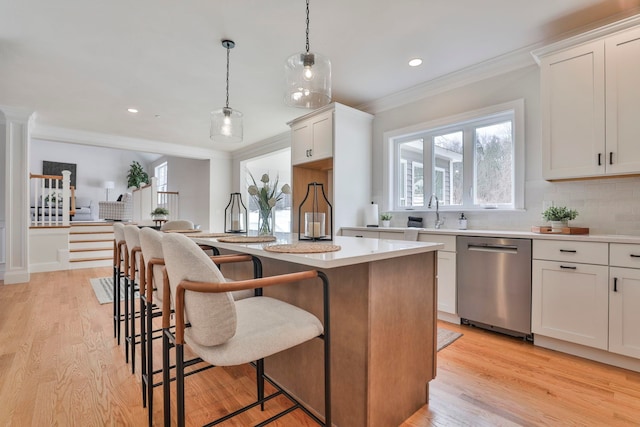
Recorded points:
(438,222)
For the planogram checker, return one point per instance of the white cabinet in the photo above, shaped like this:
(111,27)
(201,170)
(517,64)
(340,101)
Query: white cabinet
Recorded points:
(312,138)
(624,299)
(590,98)
(572,100)
(447,294)
(623,102)
(570,297)
(332,146)
(360,233)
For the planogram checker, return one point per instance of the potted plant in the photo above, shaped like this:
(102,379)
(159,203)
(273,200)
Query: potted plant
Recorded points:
(136,175)
(159,213)
(559,216)
(386,219)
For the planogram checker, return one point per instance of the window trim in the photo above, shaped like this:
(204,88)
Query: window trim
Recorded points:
(389,152)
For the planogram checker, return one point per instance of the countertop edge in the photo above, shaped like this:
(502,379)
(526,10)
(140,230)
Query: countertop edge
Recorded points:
(605,238)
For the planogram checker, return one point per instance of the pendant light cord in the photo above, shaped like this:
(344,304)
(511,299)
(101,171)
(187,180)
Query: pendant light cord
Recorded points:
(228,50)
(307,26)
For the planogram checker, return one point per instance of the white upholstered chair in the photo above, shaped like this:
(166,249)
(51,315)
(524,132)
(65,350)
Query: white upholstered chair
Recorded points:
(152,283)
(119,250)
(177,224)
(132,262)
(225,332)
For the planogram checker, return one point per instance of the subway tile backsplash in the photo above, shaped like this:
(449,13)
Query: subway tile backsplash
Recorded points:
(606,206)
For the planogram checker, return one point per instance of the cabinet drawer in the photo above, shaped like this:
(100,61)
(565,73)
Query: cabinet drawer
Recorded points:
(359,233)
(571,251)
(624,255)
(448,241)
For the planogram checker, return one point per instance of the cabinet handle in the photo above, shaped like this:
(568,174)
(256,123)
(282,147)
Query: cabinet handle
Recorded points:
(571,251)
(615,284)
(634,256)
(568,267)
(359,235)
(311,152)
(610,157)
(599,159)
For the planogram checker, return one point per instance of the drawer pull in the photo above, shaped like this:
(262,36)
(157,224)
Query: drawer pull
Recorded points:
(615,284)
(599,159)
(568,267)
(571,251)
(359,235)
(610,157)
(634,256)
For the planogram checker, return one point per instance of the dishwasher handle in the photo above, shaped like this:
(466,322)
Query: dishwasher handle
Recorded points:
(486,247)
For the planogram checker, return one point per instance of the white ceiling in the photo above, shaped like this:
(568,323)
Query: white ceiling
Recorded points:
(81,63)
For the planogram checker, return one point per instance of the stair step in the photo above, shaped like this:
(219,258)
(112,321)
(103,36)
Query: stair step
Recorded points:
(89,250)
(92,259)
(90,232)
(91,241)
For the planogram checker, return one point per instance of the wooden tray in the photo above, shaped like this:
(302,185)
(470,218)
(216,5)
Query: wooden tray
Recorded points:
(546,229)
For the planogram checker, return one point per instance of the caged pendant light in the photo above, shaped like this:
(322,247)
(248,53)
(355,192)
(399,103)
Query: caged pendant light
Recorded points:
(308,78)
(226,123)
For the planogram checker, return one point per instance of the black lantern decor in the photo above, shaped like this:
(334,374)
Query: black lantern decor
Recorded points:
(235,215)
(318,213)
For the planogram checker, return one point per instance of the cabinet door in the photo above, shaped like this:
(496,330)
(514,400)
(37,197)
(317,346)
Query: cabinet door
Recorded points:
(301,142)
(322,129)
(624,311)
(623,102)
(360,233)
(447,282)
(572,103)
(571,302)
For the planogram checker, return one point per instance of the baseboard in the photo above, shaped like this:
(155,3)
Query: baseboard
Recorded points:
(448,317)
(14,277)
(590,353)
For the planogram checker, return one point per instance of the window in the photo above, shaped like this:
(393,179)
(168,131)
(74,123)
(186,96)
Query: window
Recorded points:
(161,176)
(473,161)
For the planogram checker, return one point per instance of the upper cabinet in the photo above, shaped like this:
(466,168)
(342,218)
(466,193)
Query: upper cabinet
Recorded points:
(590,100)
(312,138)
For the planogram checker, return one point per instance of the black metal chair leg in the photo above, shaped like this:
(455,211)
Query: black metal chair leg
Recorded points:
(166,385)
(260,381)
(149,375)
(118,307)
(132,326)
(127,284)
(143,349)
(180,383)
(115,311)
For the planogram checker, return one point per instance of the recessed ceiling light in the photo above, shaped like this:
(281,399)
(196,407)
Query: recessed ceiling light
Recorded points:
(415,62)
(132,110)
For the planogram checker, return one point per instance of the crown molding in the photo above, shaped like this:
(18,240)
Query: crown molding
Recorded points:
(74,136)
(266,146)
(502,64)
(18,114)
(571,40)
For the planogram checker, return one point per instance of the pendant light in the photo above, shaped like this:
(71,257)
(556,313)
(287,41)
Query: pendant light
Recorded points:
(226,123)
(308,78)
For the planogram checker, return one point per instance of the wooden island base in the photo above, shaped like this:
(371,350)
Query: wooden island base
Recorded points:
(383,338)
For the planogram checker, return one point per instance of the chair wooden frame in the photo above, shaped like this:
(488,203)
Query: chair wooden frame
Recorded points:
(177,340)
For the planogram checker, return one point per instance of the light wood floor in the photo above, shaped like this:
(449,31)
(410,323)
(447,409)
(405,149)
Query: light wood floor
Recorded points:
(59,365)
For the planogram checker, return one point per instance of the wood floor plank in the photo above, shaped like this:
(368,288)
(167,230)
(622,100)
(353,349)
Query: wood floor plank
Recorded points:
(60,365)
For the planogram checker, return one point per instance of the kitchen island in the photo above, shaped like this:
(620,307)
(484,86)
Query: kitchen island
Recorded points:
(383,325)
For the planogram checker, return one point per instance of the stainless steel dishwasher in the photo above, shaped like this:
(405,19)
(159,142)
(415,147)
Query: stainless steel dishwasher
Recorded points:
(494,283)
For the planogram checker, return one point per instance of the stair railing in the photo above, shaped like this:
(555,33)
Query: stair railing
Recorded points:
(53,200)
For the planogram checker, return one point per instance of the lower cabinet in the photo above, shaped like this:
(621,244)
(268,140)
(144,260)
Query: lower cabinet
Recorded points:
(570,302)
(624,299)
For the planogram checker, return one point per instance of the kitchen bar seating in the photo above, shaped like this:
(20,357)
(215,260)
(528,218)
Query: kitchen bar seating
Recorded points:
(132,263)
(224,332)
(152,283)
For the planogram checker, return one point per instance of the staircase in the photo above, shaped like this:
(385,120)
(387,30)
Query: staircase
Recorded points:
(90,245)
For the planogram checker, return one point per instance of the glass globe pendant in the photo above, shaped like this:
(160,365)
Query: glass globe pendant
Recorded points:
(226,123)
(308,78)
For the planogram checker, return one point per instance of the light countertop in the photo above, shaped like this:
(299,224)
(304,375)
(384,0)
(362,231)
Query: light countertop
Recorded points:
(606,238)
(353,250)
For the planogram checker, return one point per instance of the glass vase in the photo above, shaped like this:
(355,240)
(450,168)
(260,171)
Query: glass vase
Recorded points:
(266,222)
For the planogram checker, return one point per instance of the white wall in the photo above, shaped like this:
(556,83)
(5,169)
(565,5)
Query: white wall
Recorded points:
(3,147)
(606,206)
(95,165)
(190,178)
